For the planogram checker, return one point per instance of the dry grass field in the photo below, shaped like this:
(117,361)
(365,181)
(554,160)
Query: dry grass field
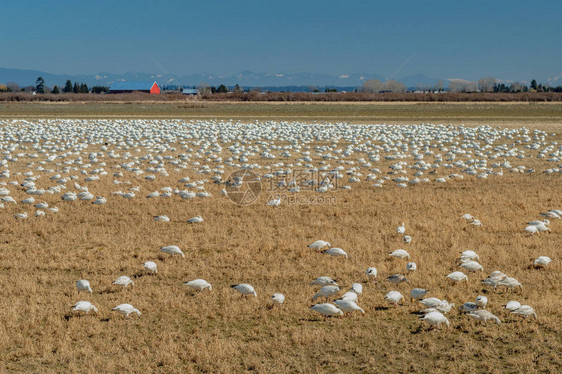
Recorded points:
(218,331)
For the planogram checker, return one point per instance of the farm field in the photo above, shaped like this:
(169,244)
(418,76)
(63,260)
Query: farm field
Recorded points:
(504,174)
(355,112)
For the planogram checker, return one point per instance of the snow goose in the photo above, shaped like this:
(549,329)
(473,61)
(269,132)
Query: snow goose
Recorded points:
(471,266)
(278,298)
(196,219)
(394,297)
(417,293)
(397,279)
(326,292)
(335,252)
(348,306)
(541,261)
(327,309)
(245,289)
(319,244)
(172,250)
(457,276)
(483,316)
(83,285)
(323,281)
(401,229)
(126,309)
(400,253)
(525,311)
(124,281)
(84,306)
(200,285)
(357,288)
(372,272)
(151,267)
(512,305)
(411,267)
(435,318)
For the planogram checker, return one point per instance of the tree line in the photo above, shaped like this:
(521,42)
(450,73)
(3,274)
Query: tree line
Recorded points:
(41,88)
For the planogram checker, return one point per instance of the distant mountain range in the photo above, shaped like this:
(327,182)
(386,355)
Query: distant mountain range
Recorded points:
(244,79)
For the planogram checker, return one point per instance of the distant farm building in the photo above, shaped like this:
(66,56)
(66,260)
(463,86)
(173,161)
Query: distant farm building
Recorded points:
(189,91)
(126,87)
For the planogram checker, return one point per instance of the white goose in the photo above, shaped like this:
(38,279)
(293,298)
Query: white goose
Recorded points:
(172,250)
(199,284)
(126,309)
(245,289)
(84,306)
(327,309)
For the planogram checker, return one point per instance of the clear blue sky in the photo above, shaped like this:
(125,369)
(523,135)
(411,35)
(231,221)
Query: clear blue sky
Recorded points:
(511,40)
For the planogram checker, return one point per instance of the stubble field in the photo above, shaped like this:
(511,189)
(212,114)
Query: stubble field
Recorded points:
(41,258)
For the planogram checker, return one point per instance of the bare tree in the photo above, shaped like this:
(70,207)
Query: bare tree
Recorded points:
(486,84)
(394,86)
(13,86)
(372,86)
(516,87)
(203,88)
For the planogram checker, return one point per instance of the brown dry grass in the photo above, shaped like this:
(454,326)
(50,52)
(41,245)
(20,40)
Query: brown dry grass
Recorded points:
(217,331)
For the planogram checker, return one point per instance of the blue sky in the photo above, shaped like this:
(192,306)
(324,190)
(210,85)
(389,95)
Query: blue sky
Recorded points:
(510,40)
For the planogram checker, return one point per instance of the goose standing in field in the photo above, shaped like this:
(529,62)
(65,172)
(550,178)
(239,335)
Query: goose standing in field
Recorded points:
(401,229)
(541,261)
(151,267)
(407,239)
(481,301)
(161,219)
(196,219)
(411,267)
(245,289)
(400,253)
(172,250)
(124,281)
(326,292)
(200,285)
(83,285)
(335,252)
(126,309)
(417,293)
(531,229)
(512,305)
(476,222)
(471,266)
(84,306)
(525,311)
(348,306)
(278,298)
(397,279)
(510,283)
(319,244)
(431,302)
(327,309)
(435,318)
(350,295)
(457,276)
(468,307)
(467,217)
(372,272)
(324,281)
(394,297)
(357,288)
(483,316)
(468,256)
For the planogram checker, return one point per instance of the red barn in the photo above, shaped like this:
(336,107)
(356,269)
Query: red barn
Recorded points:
(125,87)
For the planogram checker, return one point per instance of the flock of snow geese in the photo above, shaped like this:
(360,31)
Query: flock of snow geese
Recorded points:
(68,158)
